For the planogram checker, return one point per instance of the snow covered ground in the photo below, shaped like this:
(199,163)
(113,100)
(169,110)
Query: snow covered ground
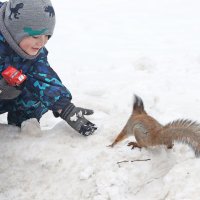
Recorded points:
(105,51)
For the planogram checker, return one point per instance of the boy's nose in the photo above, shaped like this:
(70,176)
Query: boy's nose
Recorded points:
(42,41)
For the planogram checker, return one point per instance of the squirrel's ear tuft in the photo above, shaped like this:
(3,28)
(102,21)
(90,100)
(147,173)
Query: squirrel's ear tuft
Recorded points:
(138,106)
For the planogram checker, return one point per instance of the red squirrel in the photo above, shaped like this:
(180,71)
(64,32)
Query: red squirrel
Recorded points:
(149,132)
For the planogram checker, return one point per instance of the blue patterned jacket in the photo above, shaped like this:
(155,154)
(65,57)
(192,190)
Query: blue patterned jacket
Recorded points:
(42,84)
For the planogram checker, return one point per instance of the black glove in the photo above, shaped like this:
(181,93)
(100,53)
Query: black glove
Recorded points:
(7,91)
(74,116)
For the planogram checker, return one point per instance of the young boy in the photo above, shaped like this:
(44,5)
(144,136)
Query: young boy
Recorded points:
(25,28)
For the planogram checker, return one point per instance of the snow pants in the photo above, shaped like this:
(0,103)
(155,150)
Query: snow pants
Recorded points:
(16,115)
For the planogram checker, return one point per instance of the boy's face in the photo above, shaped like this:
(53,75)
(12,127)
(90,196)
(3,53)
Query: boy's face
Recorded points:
(32,44)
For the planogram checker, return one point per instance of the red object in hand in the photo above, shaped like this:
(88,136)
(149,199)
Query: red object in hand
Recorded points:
(13,76)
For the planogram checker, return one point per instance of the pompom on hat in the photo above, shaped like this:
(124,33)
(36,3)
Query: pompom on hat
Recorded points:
(22,18)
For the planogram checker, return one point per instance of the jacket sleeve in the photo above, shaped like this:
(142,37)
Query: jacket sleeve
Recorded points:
(44,83)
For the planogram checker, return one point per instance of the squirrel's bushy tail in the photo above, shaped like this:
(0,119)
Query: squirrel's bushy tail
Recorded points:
(184,131)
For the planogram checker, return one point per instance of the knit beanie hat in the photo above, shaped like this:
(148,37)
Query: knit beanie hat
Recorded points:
(28,18)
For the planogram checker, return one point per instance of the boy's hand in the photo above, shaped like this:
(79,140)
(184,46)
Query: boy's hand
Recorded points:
(74,116)
(7,91)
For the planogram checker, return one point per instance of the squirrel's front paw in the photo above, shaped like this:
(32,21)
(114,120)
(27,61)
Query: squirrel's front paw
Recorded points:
(134,145)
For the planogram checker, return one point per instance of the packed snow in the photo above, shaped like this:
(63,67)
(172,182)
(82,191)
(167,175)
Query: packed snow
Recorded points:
(105,51)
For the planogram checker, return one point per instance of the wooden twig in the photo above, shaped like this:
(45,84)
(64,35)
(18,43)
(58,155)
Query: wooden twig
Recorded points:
(133,160)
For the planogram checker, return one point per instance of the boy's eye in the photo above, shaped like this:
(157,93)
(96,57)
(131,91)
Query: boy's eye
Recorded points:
(35,36)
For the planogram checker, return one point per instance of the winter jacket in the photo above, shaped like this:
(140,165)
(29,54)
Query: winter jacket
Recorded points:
(43,88)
